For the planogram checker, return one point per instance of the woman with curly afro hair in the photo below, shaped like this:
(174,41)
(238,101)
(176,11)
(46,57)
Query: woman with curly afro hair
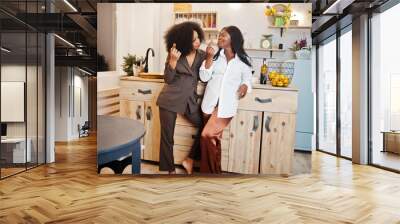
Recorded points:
(178,96)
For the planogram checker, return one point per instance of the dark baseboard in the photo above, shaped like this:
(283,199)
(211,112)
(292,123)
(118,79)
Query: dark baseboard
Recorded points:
(303,151)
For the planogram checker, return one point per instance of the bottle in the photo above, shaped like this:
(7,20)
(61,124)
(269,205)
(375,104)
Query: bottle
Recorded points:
(263,73)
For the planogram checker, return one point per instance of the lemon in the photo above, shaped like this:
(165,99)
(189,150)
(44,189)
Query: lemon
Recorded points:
(286,81)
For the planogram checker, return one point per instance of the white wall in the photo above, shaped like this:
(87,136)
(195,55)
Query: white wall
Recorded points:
(108,80)
(33,126)
(80,83)
(62,81)
(140,26)
(136,31)
(67,80)
(15,72)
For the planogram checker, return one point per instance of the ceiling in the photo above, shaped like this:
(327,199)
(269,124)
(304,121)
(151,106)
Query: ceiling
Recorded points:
(332,15)
(74,22)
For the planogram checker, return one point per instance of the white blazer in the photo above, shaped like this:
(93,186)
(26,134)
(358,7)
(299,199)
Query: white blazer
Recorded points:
(224,80)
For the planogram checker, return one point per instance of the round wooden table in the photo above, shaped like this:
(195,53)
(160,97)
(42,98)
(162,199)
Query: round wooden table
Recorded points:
(118,141)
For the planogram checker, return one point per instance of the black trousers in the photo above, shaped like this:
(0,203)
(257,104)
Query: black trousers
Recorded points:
(167,121)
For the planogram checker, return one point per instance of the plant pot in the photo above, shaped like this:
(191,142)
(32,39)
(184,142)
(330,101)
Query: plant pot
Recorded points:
(279,21)
(290,54)
(136,70)
(303,54)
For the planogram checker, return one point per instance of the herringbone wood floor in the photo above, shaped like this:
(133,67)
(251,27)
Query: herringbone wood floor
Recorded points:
(70,191)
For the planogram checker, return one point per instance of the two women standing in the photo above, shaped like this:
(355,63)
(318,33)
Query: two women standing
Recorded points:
(228,76)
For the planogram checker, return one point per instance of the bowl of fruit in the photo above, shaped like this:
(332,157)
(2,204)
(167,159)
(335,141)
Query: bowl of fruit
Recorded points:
(280,74)
(279,79)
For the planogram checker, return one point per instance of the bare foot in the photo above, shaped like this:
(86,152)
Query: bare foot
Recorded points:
(172,172)
(188,165)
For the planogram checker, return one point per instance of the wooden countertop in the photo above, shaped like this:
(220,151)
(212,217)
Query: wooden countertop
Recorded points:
(255,86)
(135,78)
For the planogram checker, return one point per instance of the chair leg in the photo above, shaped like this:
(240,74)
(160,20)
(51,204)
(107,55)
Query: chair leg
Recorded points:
(136,158)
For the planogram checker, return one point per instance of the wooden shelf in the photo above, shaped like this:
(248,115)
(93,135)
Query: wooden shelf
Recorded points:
(210,30)
(289,27)
(196,12)
(265,50)
(208,20)
(261,49)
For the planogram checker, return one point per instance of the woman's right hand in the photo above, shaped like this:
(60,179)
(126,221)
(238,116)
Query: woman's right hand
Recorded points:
(209,56)
(210,52)
(173,56)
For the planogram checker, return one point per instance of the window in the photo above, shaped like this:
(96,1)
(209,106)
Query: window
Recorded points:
(394,102)
(327,97)
(22,76)
(346,93)
(385,89)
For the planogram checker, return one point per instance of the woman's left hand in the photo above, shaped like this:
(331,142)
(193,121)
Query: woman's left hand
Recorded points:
(242,90)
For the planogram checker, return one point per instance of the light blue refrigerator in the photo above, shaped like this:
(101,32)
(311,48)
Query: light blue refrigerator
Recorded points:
(303,80)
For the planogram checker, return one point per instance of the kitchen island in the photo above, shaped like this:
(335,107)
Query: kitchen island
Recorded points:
(259,140)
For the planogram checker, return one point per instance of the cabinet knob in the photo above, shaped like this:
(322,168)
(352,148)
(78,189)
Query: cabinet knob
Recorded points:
(231,135)
(267,100)
(148,113)
(144,92)
(255,123)
(267,123)
(138,114)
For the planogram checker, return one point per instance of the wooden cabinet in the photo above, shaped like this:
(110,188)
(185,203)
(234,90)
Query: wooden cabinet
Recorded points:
(225,143)
(184,138)
(259,139)
(244,142)
(153,132)
(184,135)
(132,109)
(138,102)
(277,145)
(148,114)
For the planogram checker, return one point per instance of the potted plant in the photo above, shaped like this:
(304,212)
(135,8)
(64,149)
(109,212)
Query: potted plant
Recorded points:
(132,64)
(300,49)
(280,12)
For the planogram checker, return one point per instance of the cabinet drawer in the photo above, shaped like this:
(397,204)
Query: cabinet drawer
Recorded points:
(280,101)
(184,135)
(144,91)
(183,142)
(181,120)
(181,152)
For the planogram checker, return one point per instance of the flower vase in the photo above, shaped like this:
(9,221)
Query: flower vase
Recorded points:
(303,54)
(279,21)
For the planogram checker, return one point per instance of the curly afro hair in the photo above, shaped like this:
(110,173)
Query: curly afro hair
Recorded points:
(182,35)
